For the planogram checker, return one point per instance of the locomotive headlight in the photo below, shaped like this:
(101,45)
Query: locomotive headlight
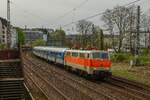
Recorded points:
(107,68)
(95,68)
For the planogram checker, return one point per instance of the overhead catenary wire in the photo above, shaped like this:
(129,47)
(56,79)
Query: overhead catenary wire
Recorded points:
(72,10)
(98,14)
(75,8)
(32,14)
(62,16)
(144,2)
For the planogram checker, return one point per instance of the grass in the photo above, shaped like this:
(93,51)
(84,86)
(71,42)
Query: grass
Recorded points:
(140,74)
(121,57)
(125,73)
(145,59)
(122,68)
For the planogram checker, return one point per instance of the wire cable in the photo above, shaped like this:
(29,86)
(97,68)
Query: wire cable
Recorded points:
(74,9)
(32,14)
(98,14)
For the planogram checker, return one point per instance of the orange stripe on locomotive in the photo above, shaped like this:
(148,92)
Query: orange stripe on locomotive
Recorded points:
(88,62)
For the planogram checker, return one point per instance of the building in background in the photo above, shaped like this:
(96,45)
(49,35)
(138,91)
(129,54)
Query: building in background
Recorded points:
(147,40)
(131,41)
(32,35)
(14,38)
(49,30)
(3,31)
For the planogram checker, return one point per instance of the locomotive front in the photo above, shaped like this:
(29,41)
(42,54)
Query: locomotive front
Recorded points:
(101,64)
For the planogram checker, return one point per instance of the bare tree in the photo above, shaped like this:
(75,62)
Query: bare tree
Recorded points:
(107,18)
(85,29)
(145,24)
(132,25)
(117,20)
(97,37)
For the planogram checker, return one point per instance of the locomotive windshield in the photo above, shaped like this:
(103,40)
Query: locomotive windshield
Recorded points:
(100,55)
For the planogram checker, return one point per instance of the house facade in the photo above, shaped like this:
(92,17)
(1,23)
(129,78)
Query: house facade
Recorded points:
(3,31)
(32,35)
(14,38)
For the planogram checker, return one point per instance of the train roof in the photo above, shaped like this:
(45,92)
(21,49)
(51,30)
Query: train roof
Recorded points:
(85,51)
(58,49)
(48,48)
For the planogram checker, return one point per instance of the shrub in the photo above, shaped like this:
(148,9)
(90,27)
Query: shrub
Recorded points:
(2,46)
(121,57)
(38,42)
(144,57)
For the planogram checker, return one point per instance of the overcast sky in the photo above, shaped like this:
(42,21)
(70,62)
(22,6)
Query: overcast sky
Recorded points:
(47,13)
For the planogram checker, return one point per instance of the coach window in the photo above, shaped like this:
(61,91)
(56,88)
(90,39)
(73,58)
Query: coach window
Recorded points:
(96,55)
(87,55)
(74,54)
(82,55)
(59,54)
(104,55)
(68,54)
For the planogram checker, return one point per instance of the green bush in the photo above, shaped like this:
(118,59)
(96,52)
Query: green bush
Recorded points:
(2,46)
(144,57)
(21,37)
(145,51)
(38,42)
(121,57)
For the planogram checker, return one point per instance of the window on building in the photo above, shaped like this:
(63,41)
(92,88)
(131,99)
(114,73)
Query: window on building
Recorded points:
(3,27)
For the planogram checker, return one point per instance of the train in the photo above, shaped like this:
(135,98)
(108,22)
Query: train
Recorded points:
(93,63)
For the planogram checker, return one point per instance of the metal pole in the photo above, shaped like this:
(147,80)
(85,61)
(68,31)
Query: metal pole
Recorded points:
(8,24)
(138,30)
(137,44)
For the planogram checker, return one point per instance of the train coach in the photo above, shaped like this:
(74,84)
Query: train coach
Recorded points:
(85,62)
(52,54)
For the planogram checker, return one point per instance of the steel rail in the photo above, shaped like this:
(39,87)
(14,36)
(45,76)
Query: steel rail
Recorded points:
(113,88)
(128,87)
(57,90)
(46,96)
(133,91)
(133,83)
(78,82)
(48,74)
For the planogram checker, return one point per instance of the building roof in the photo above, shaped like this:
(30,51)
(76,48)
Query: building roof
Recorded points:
(4,21)
(33,31)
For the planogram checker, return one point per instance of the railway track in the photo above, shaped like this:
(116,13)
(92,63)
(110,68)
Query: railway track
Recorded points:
(42,85)
(115,87)
(77,94)
(138,89)
(134,84)
(82,90)
(34,85)
(102,88)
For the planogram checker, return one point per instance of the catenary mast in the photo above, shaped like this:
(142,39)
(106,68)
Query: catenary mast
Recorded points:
(8,24)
